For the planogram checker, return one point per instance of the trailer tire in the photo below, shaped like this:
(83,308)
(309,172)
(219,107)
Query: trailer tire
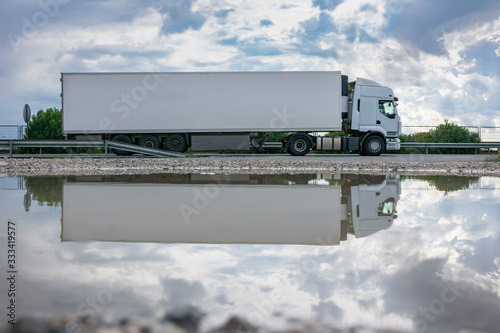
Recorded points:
(374,145)
(176,142)
(299,145)
(124,139)
(149,141)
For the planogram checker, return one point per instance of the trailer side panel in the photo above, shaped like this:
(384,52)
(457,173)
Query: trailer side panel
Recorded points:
(201,102)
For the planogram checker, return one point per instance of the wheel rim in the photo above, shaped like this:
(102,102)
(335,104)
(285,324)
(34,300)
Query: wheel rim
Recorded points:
(175,144)
(149,144)
(299,145)
(375,145)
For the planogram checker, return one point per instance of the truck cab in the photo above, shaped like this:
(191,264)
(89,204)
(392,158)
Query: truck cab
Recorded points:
(373,117)
(372,206)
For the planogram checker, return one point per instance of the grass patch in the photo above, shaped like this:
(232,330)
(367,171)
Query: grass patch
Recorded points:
(494,158)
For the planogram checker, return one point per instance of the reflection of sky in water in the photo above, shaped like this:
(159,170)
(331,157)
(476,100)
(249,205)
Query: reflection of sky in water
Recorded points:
(438,266)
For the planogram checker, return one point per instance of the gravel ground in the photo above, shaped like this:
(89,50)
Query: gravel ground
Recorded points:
(465,165)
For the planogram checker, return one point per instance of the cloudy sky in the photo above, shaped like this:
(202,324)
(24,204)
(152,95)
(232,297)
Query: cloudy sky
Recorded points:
(441,57)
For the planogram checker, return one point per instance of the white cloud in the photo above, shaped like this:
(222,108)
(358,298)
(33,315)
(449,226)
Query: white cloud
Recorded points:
(437,76)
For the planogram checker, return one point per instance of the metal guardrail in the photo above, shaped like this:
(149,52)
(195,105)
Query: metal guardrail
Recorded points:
(430,145)
(450,145)
(51,143)
(11,144)
(422,145)
(142,150)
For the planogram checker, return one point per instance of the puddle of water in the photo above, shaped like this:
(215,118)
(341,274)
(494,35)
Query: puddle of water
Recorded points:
(409,253)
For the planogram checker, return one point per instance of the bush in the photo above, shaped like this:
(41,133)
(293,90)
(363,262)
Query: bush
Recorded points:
(444,133)
(335,134)
(446,184)
(451,133)
(414,137)
(276,137)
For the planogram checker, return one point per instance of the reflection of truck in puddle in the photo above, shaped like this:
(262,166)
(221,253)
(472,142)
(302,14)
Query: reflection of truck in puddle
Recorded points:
(254,209)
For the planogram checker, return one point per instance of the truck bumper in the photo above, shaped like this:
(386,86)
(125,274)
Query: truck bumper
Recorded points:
(393,144)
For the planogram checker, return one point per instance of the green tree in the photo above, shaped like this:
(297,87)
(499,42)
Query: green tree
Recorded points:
(45,190)
(45,125)
(446,184)
(450,133)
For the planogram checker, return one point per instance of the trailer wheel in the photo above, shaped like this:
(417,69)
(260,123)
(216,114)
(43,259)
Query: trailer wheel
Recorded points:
(124,139)
(149,141)
(374,145)
(176,142)
(299,145)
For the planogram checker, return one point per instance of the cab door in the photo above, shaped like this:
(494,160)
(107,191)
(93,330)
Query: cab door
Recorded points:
(387,117)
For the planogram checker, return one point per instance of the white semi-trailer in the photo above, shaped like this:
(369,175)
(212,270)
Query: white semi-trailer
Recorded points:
(227,209)
(231,110)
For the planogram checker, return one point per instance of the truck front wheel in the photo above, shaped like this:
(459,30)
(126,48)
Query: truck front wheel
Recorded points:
(374,146)
(299,145)
(176,142)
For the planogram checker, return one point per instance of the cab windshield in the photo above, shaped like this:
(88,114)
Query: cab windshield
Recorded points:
(386,208)
(387,108)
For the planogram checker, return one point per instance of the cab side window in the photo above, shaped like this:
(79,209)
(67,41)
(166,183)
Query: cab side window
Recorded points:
(387,108)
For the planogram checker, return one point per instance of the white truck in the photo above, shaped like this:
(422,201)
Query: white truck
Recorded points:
(231,110)
(235,209)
